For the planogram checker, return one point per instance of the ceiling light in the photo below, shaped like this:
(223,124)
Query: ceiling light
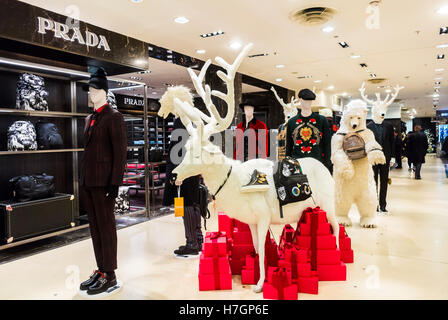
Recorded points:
(355,56)
(373,75)
(136,1)
(363,65)
(258,55)
(440,56)
(200,51)
(441,46)
(280,66)
(439,78)
(437,82)
(436,95)
(317,81)
(279,79)
(328,29)
(443,30)
(235,45)
(345,94)
(388,91)
(330,88)
(344,44)
(181,20)
(212,34)
(144,72)
(443,10)
(440,70)
(154,92)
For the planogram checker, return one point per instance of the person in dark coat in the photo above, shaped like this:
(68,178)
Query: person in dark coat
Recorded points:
(189,190)
(384,135)
(398,149)
(418,147)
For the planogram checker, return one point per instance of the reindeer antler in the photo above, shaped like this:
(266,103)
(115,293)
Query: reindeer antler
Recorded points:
(397,89)
(280,100)
(364,96)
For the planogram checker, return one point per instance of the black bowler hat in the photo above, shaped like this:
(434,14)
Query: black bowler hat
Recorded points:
(248,102)
(97,80)
(307,94)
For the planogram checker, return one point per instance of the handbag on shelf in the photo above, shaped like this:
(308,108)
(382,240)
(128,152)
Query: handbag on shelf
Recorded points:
(22,136)
(155,155)
(32,187)
(48,136)
(31,93)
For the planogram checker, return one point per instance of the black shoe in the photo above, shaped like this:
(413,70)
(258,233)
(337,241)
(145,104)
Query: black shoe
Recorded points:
(188,250)
(257,183)
(384,210)
(102,285)
(93,278)
(418,178)
(399,167)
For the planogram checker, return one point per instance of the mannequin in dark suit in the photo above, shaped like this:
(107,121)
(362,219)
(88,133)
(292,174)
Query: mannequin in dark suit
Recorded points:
(102,170)
(384,135)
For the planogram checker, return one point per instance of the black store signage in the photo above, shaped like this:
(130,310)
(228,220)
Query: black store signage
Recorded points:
(33,25)
(135,103)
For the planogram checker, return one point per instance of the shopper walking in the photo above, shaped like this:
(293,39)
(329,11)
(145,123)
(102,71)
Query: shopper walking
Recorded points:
(189,190)
(398,149)
(407,150)
(418,147)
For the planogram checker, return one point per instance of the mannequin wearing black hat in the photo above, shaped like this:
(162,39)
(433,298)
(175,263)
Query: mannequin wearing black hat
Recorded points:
(247,145)
(102,172)
(308,133)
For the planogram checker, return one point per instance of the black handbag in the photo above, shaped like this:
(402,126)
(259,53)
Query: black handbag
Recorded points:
(155,155)
(48,136)
(291,184)
(32,187)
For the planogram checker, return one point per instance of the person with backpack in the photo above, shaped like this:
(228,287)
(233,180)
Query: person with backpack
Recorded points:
(189,190)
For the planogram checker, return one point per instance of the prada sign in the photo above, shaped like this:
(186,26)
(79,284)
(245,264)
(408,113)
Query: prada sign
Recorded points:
(63,31)
(135,103)
(72,41)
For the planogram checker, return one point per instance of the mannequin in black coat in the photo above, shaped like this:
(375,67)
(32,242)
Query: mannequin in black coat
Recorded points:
(384,135)
(189,190)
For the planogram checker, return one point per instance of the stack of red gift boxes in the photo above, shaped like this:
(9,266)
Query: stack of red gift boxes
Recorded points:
(303,257)
(214,268)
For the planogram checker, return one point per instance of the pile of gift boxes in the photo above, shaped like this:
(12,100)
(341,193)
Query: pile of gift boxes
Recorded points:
(303,257)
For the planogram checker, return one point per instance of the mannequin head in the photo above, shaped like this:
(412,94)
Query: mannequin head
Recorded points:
(306,98)
(98,97)
(249,112)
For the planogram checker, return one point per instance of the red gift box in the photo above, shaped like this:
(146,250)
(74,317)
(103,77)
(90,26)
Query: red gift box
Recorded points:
(279,286)
(328,256)
(271,271)
(242,227)
(240,237)
(250,276)
(222,281)
(347,256)
(345,243)
(321,215)
(336,272)
(240,251)
(308,285)
(323,242)
(252,261)
(236,265)
(215,244)
(296,254)
(271,251)
(287,234)
(322,229)
(208,265)
(297,269)
(225,224)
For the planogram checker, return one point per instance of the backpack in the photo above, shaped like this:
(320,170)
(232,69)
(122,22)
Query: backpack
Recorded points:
(354,146)
(22,136)
(204,200)
(48,136)
(31,94)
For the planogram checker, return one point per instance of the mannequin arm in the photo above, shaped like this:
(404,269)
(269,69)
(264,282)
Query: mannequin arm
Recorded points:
(117,133)
(374,150)
(289,142)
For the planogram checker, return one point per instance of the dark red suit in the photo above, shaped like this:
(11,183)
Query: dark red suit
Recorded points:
(243,142)
(103,165)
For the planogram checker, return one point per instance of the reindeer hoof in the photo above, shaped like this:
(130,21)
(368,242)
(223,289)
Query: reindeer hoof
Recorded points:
(258,289)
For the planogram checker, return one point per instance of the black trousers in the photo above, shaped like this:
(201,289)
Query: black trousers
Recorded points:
(192,225)
(418,168)
(100,210)
(398,159)
(382,170)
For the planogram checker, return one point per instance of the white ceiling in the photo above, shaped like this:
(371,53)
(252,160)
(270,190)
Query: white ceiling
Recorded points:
(396,51)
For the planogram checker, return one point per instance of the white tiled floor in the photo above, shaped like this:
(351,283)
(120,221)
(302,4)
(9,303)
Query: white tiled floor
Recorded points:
(405,258)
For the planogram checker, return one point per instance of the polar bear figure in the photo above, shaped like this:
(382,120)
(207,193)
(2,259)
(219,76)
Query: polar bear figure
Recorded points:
(353,174)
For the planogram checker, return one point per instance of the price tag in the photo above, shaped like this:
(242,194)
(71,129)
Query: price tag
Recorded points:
(178,205)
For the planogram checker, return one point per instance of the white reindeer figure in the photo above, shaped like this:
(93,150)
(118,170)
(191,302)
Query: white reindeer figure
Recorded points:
(224,176)
(379,107)
(289,109)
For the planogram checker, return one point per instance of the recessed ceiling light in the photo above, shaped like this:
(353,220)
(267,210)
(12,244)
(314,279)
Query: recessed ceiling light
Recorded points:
(440,70)
(437,82)
(373,75)
(363,65)
(443,10)
(280,66)
(355,56)
(343,44)
(235,45)
(440,56)
(279,79)
(345,94)
(388,91)
(441,46)
(443,30)
(212,34)
(200,51)
(330,88)
(181,20)
(136,1)
(317,81)
(436,95)
(328,29)
(439,78)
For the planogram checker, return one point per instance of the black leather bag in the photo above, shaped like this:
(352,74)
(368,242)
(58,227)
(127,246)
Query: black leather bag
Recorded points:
(32,187)
(291,184)
(155,155)
(48,136)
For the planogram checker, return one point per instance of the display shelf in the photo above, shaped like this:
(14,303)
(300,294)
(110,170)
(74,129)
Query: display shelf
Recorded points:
(129,177)
(31,113)
(10,153)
